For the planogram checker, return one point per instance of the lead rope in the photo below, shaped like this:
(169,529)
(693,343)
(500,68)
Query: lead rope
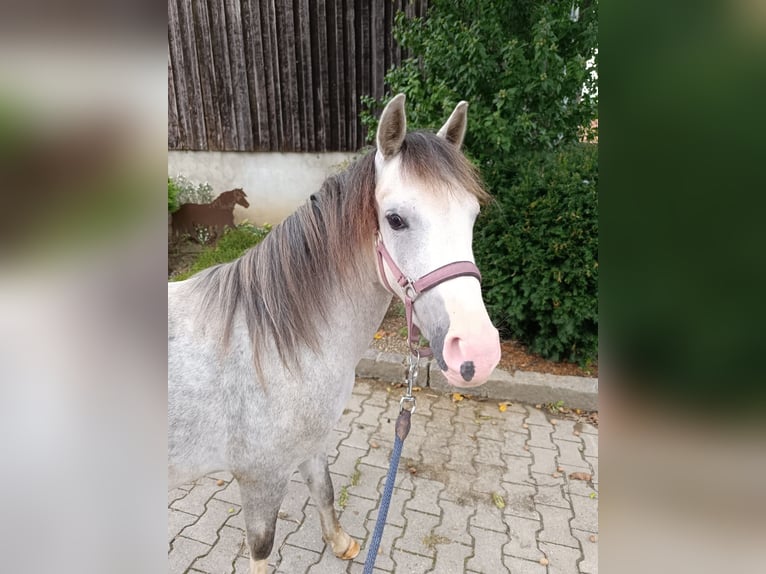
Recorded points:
(407,407)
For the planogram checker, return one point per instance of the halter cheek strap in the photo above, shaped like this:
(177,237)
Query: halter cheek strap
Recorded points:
(412,289)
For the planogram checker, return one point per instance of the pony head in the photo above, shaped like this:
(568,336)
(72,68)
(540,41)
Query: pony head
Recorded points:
(428,197)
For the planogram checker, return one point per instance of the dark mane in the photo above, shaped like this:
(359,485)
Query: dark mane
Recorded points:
(284,285)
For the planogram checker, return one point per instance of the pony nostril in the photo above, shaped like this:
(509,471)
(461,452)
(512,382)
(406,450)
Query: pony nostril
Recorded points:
(467,370)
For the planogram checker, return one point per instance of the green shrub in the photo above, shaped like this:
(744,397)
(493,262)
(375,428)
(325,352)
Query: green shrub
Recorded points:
(537,248)
(173,203)
(234,242)
(523,67)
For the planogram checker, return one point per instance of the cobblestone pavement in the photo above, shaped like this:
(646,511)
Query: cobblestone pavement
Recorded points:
(478,491)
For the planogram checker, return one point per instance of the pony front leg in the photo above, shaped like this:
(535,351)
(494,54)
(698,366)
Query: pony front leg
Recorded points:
(260,507)
(317,476)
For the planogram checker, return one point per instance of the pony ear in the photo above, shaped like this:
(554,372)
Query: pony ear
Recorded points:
(453,129)
(392,128)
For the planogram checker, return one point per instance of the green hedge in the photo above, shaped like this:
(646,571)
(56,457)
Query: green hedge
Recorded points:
(537,248)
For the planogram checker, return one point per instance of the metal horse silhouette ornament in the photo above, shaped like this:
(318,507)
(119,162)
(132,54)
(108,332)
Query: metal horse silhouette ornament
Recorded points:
(213,216)
(262,350)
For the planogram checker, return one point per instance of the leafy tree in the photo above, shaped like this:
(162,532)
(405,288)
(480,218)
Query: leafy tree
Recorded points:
(527,68)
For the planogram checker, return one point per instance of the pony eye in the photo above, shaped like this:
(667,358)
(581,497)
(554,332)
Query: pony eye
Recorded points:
(395,221)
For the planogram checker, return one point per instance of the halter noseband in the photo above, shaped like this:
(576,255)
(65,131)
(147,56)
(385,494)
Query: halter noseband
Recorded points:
(413,288)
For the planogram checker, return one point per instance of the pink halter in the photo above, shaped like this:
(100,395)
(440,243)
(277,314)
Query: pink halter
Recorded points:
(412,289)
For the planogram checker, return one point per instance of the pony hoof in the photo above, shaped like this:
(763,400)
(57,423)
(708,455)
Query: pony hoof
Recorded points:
(351,552)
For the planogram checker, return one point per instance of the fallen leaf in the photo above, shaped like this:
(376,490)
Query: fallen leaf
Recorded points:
(554,422)
(373,444)
(538,406)
(525,425)
(416,389)
(231,510)
(457,397)
(580,476)
(592,495)
(219,482)
(378,335)
(593,538)
(576,433)
(544,561)
(556,474)
(559,469)
(503,406)
(498,500)
(413,470)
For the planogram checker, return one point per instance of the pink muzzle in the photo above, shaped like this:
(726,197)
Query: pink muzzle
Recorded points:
(476,355)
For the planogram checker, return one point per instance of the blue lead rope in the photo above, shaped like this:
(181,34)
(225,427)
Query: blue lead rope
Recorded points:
(402,429)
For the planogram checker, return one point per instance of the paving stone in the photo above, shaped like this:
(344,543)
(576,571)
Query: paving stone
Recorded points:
(544,460)
(488,517)
(176,494)
(194,502)
(406,562)
(355,516)
(490,430)
(537,417)
(420,527)
(561,560)
(371,481)
(514,419)
(224,553)
(556,526)
(435,458)
(185,552)
(586,513)
(177,521)
(516,469)
(519,501)
(464,435)
(370,415)
(426,494)
(230,493)
(379,393)
(242,566)
(593,462)
(551,495)
(488,478)
(540,436)
(450,557)
(399,501)
(522,534)
(521,566)
(591,444)
(570,454)
(454,522)
(329,564)
(589,565)
(514,444)
(308,535)
(489,452)
(206,528)
(346,463)
(344,422)
(384,561)
(588,428)
(296,560)
(488,555)
(295,501)
(565,431)
(580,488)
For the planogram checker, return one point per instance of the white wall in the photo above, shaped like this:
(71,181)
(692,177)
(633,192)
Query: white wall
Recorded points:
(275,183)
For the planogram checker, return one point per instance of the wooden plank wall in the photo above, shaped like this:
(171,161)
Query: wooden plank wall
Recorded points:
(277,75)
